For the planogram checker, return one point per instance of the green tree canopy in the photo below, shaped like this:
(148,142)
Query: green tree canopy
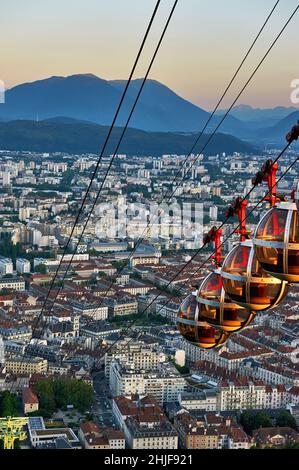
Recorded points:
(9,404)
(285,419)
(41,269)
(251,420)
(57,394)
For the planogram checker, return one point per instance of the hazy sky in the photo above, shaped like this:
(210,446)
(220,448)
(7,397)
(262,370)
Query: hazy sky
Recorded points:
(204,44)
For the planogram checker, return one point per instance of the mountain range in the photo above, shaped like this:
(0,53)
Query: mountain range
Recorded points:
(88,98)
(77,137)
(248,114)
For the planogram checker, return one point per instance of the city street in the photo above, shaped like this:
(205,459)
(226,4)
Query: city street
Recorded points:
(102,408)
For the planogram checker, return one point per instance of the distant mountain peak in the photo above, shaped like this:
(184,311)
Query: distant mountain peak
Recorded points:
(87,97)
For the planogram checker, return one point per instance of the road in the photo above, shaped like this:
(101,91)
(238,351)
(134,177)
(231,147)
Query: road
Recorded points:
(102,408)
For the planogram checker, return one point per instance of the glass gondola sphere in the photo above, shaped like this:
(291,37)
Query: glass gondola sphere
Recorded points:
(196,331)
(276,242)
(216,307)
(247,284)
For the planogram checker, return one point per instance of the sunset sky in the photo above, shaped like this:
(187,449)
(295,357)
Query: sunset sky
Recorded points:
(204,44)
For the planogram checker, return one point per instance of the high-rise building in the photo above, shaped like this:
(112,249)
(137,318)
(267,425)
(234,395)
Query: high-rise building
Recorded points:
(6,266)
(23,265)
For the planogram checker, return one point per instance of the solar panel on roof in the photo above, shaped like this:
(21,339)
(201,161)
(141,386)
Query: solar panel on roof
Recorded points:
(36,423)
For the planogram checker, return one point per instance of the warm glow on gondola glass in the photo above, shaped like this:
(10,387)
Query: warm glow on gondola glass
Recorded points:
(247,283)
(276,242)
(217,309)
(195,330)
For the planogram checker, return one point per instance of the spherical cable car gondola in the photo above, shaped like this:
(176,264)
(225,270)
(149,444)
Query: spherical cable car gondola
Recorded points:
(246,283)
(276,242)
(218,309)
(195,330)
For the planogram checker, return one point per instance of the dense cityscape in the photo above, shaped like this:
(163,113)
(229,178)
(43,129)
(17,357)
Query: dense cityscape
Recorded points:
(103,365)
(149,233)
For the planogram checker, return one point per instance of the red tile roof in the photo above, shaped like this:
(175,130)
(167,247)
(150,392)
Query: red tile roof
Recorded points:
(29,397)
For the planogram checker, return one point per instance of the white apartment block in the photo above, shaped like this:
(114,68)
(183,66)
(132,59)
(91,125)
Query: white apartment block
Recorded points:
(275,377)
(205,400)
(241,397)
(276,397)
(161,436)
(23,265)
(92,310)
(45,261)
(195,354)
(6,266)
(73,257)
(56,167)
(164,385)
(135,355)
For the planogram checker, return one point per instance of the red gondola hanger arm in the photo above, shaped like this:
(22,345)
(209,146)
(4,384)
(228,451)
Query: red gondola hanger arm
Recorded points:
(269,170)
(270,179)
(268,175)
(238,208)
(214,235)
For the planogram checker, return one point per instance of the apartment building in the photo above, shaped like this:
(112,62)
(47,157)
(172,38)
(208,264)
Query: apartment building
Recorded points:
(23,265)
(144,423)
(241,395)
(90,309)
(6,266)
(165,384)
(168,309)
(122,305)
(23,365)
(92,437)
(17,284)
(194,435)
(135,354)
(16,333)
(151,434)
(202,400)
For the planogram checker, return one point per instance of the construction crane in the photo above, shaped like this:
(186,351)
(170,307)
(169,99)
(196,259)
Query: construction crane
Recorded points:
(11,429)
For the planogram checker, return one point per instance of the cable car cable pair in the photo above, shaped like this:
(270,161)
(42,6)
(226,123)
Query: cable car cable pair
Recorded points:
(164,196)
(103,149)
(265,55)
(228,111)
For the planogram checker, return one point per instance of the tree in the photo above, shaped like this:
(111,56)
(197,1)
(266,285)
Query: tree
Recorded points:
(45,392)
(57,394)
(9,404)
(251,420)
(262,420)
(285,419)
(41,269)
(290,446)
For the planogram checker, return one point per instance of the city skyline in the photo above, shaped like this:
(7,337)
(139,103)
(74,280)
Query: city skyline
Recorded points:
(149,250)
(37,48)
